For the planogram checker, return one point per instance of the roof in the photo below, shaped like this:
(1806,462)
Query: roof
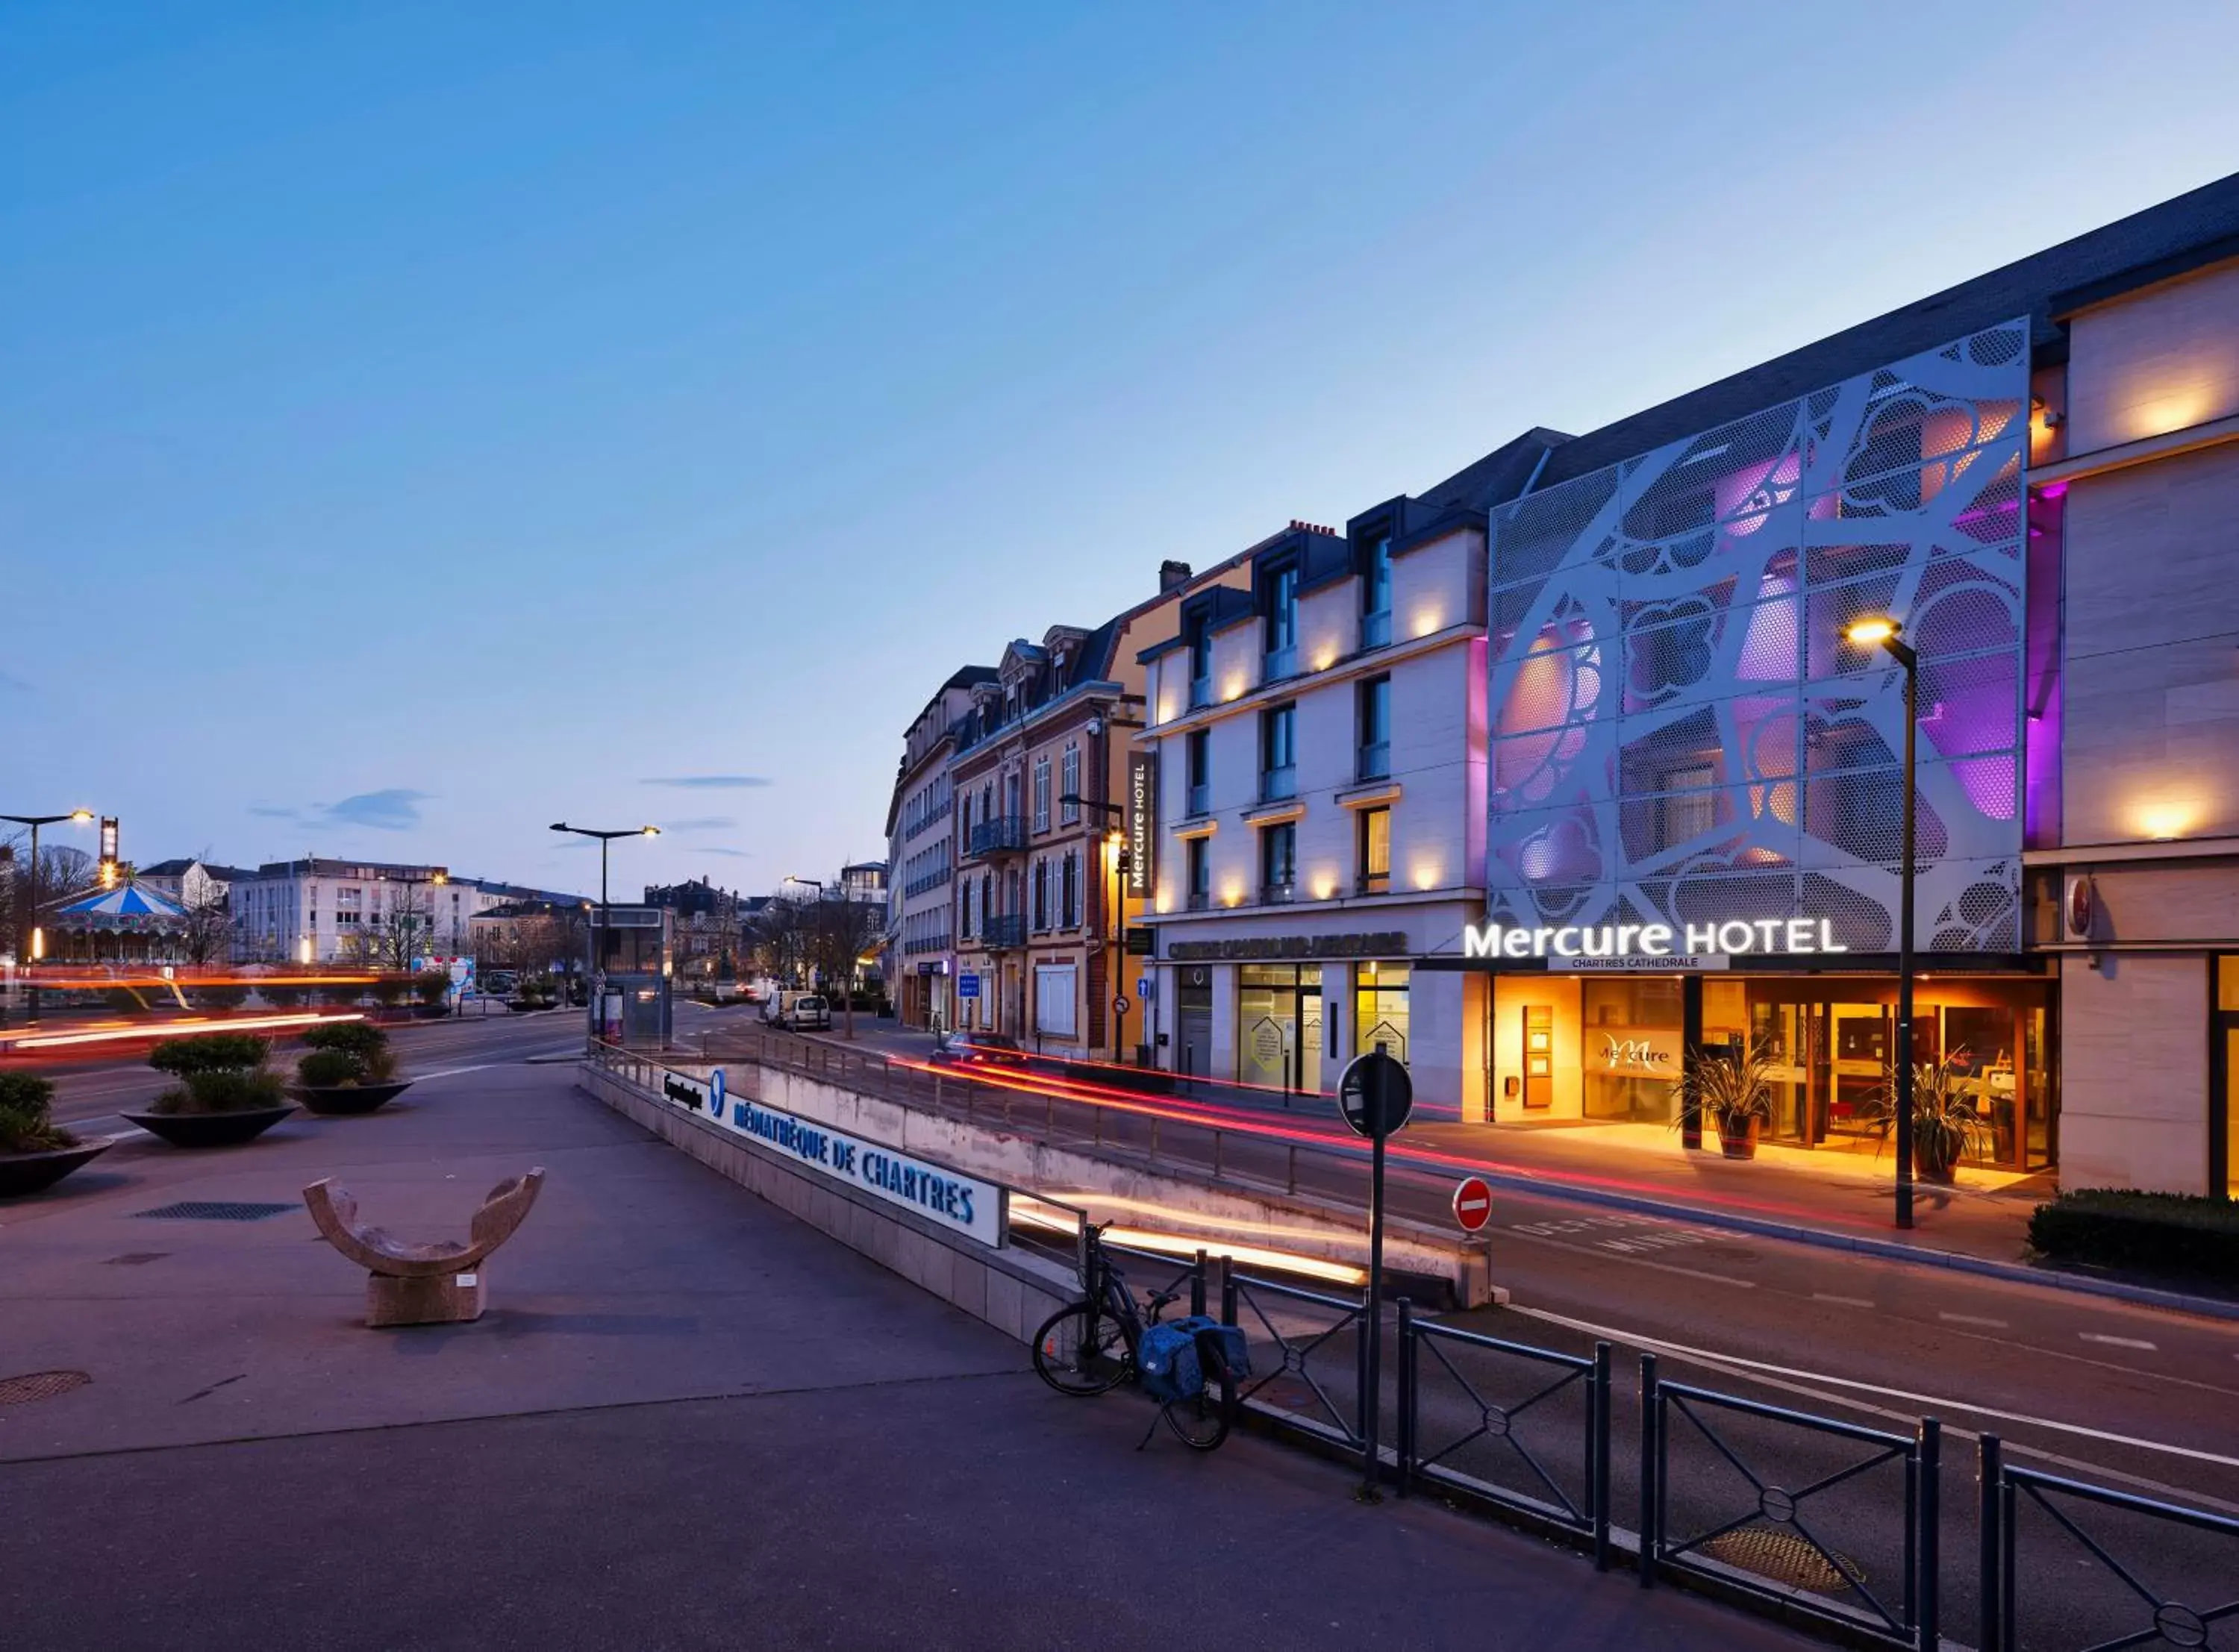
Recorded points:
(127,902)
(180,867)
(2196,229)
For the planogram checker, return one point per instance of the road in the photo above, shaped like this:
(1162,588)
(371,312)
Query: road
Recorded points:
(2138,1398)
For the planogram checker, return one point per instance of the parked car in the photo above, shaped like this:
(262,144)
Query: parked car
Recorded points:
(807,1012)
(982,1050)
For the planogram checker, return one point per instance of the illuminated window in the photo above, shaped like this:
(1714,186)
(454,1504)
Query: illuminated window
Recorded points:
(1375,833)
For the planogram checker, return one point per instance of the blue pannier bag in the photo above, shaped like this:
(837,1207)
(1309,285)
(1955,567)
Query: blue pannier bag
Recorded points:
(1166,1358)
(1215,1340)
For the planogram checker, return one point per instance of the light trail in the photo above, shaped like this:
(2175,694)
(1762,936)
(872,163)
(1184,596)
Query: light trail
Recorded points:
(190,1029)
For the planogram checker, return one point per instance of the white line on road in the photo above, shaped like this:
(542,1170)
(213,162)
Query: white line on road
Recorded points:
(1974,1319)
(2137,1342)
(1655,1344)
(1638,1262)
(1841,1302)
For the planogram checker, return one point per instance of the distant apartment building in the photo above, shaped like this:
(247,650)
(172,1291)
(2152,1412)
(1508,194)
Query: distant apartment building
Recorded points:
(921,947)
(318,911)
(192,883)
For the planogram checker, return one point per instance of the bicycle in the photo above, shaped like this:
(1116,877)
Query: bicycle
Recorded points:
(1089,1348)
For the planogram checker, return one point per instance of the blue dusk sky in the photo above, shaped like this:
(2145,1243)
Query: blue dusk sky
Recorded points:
(421,422)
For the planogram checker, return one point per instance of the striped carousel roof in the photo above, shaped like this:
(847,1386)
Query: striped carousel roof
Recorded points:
(125,901)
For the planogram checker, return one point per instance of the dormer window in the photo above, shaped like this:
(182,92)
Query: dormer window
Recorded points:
(1281,624)
(1376,589)
(1201,659)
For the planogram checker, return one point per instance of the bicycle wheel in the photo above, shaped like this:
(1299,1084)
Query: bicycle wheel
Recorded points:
(1202,1421)
(1080,1352)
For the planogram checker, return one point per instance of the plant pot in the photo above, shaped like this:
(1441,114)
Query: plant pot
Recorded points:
(335,1100)
(22,1173)
(1741,1145)
(1943,1171)
(211,1130)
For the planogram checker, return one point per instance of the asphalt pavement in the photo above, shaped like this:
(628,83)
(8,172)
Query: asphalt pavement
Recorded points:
(686,1420)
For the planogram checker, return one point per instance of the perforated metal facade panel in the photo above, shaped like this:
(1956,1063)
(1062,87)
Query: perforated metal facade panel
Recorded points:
(1681,732)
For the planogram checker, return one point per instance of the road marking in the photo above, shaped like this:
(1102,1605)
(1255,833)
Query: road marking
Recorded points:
(1974,1319)
(1638,1262)
(2137,1342)
(1843,1301)
(1657,1344)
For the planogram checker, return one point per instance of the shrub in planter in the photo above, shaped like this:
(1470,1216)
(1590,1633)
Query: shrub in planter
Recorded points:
(389,992)
(220,996)
(26,1121)
(223,1072)
(432,986)
(342,996)
(346,1053)
(282,998)
(1733,1090)
(1946,1128)
(2172,1233)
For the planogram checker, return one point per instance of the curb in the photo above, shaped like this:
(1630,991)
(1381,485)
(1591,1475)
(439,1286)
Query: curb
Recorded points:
(1887,1249)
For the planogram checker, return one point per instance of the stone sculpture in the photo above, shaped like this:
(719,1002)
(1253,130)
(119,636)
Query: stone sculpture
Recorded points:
(439,1284)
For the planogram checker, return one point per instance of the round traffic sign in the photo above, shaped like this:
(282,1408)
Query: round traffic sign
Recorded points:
(1472,1203)
(1120,1005)
(1375,1095)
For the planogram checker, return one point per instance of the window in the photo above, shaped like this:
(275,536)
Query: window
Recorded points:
(1279,861)
(1201,660)
(1200,746)
(986,902)
(1376,592)
(1200,874)
(1279,773)
(1282,623)
(1379,1009)
(1375,728)
(1069,785)
(1041,894)
(1041,794)
(1069,903)
(1375,849)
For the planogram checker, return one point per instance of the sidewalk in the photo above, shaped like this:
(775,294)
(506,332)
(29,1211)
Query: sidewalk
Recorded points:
(686,1420)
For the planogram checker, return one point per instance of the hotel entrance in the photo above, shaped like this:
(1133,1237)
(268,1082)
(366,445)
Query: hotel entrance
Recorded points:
(1585,1049)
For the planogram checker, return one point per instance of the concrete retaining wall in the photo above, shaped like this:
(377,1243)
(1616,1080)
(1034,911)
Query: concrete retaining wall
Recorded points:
(1193,1206)
(1009,1290)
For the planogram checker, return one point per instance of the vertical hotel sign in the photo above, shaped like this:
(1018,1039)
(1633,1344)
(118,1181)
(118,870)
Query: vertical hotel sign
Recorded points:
(1142,823)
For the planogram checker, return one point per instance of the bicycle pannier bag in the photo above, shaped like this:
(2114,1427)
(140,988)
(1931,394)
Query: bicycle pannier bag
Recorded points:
(1216,1340)
(1166,1358)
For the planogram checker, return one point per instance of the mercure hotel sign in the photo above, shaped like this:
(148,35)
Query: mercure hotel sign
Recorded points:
(1652,946)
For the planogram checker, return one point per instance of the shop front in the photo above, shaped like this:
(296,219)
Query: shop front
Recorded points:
(1593,1046)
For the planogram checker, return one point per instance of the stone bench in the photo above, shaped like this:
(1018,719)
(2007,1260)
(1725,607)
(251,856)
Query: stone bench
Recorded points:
(437,1283)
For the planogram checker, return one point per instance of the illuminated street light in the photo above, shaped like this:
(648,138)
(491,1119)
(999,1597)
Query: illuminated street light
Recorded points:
(1884,633)
(37,948)
(599,975)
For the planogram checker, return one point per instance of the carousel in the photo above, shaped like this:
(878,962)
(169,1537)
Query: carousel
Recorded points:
(126,925)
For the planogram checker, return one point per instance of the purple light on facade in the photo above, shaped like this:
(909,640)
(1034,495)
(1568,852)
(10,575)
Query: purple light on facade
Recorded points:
(1768,650)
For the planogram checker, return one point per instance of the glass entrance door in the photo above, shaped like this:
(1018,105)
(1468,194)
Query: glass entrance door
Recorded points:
(1278,1027)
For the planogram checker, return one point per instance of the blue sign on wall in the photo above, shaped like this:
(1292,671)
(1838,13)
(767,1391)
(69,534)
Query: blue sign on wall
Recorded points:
(968,986)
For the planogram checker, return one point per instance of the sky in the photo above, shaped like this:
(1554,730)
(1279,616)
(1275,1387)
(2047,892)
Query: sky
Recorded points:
(420,423)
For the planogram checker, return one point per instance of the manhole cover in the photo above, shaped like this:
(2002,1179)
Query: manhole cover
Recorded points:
(213,1210)
(39,1385)
(1785,1556)
(134,1258)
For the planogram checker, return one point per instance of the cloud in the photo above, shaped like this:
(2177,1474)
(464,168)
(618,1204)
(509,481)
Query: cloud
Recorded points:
(736,854)
(11,684)
(709,782)
(700,823)
(394,809)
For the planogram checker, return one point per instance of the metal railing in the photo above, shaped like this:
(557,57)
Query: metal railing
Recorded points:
(1002,833)
(1573,1498)
(2141,1612)
(1290,1392)
(1772,1535)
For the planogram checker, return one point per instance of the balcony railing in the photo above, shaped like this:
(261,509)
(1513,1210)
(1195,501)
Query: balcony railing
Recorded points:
(1200,798)
(1004,931)
(1278,894)
(1375,883)
(1200,692)
(1200,899)
(1376,629)
(1001,835)
(1278,663)
(1278,785)
(1375,759)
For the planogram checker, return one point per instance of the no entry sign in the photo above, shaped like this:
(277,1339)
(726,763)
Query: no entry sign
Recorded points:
(1472,1203)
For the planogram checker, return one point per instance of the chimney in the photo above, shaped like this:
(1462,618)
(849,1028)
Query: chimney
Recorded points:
(1172,576)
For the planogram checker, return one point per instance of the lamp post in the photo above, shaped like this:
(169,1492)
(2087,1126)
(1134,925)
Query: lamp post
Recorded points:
(1116,838)
(28,938)
(1884,633)
(599,972)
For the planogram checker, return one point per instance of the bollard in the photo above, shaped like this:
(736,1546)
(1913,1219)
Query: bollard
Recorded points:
(1197,1284)
(1404,1444)
(1991,1531)
(1927,1603)
(1599,1426)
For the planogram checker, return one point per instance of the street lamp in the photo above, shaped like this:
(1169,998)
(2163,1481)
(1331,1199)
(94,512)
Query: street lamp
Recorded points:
(31,940)
(599,975)
(1881,632)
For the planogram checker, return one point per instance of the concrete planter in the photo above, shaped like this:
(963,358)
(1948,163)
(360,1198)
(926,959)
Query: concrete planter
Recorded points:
(211,1130)
(23,1173)
(340,1100)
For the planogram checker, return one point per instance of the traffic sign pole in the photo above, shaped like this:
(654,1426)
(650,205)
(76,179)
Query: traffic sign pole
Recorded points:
(1375,1095)
(1372,1401)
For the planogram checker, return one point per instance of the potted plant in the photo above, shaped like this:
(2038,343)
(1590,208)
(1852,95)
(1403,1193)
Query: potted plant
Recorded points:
(34,1152)
(388,992)
(1733,1088)
(1946,1126)
(432,987)
(225,1095)
(349,1069)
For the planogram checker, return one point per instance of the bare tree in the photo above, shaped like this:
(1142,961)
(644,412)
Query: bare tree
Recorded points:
(404,929)
(208,935)
(841,933)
